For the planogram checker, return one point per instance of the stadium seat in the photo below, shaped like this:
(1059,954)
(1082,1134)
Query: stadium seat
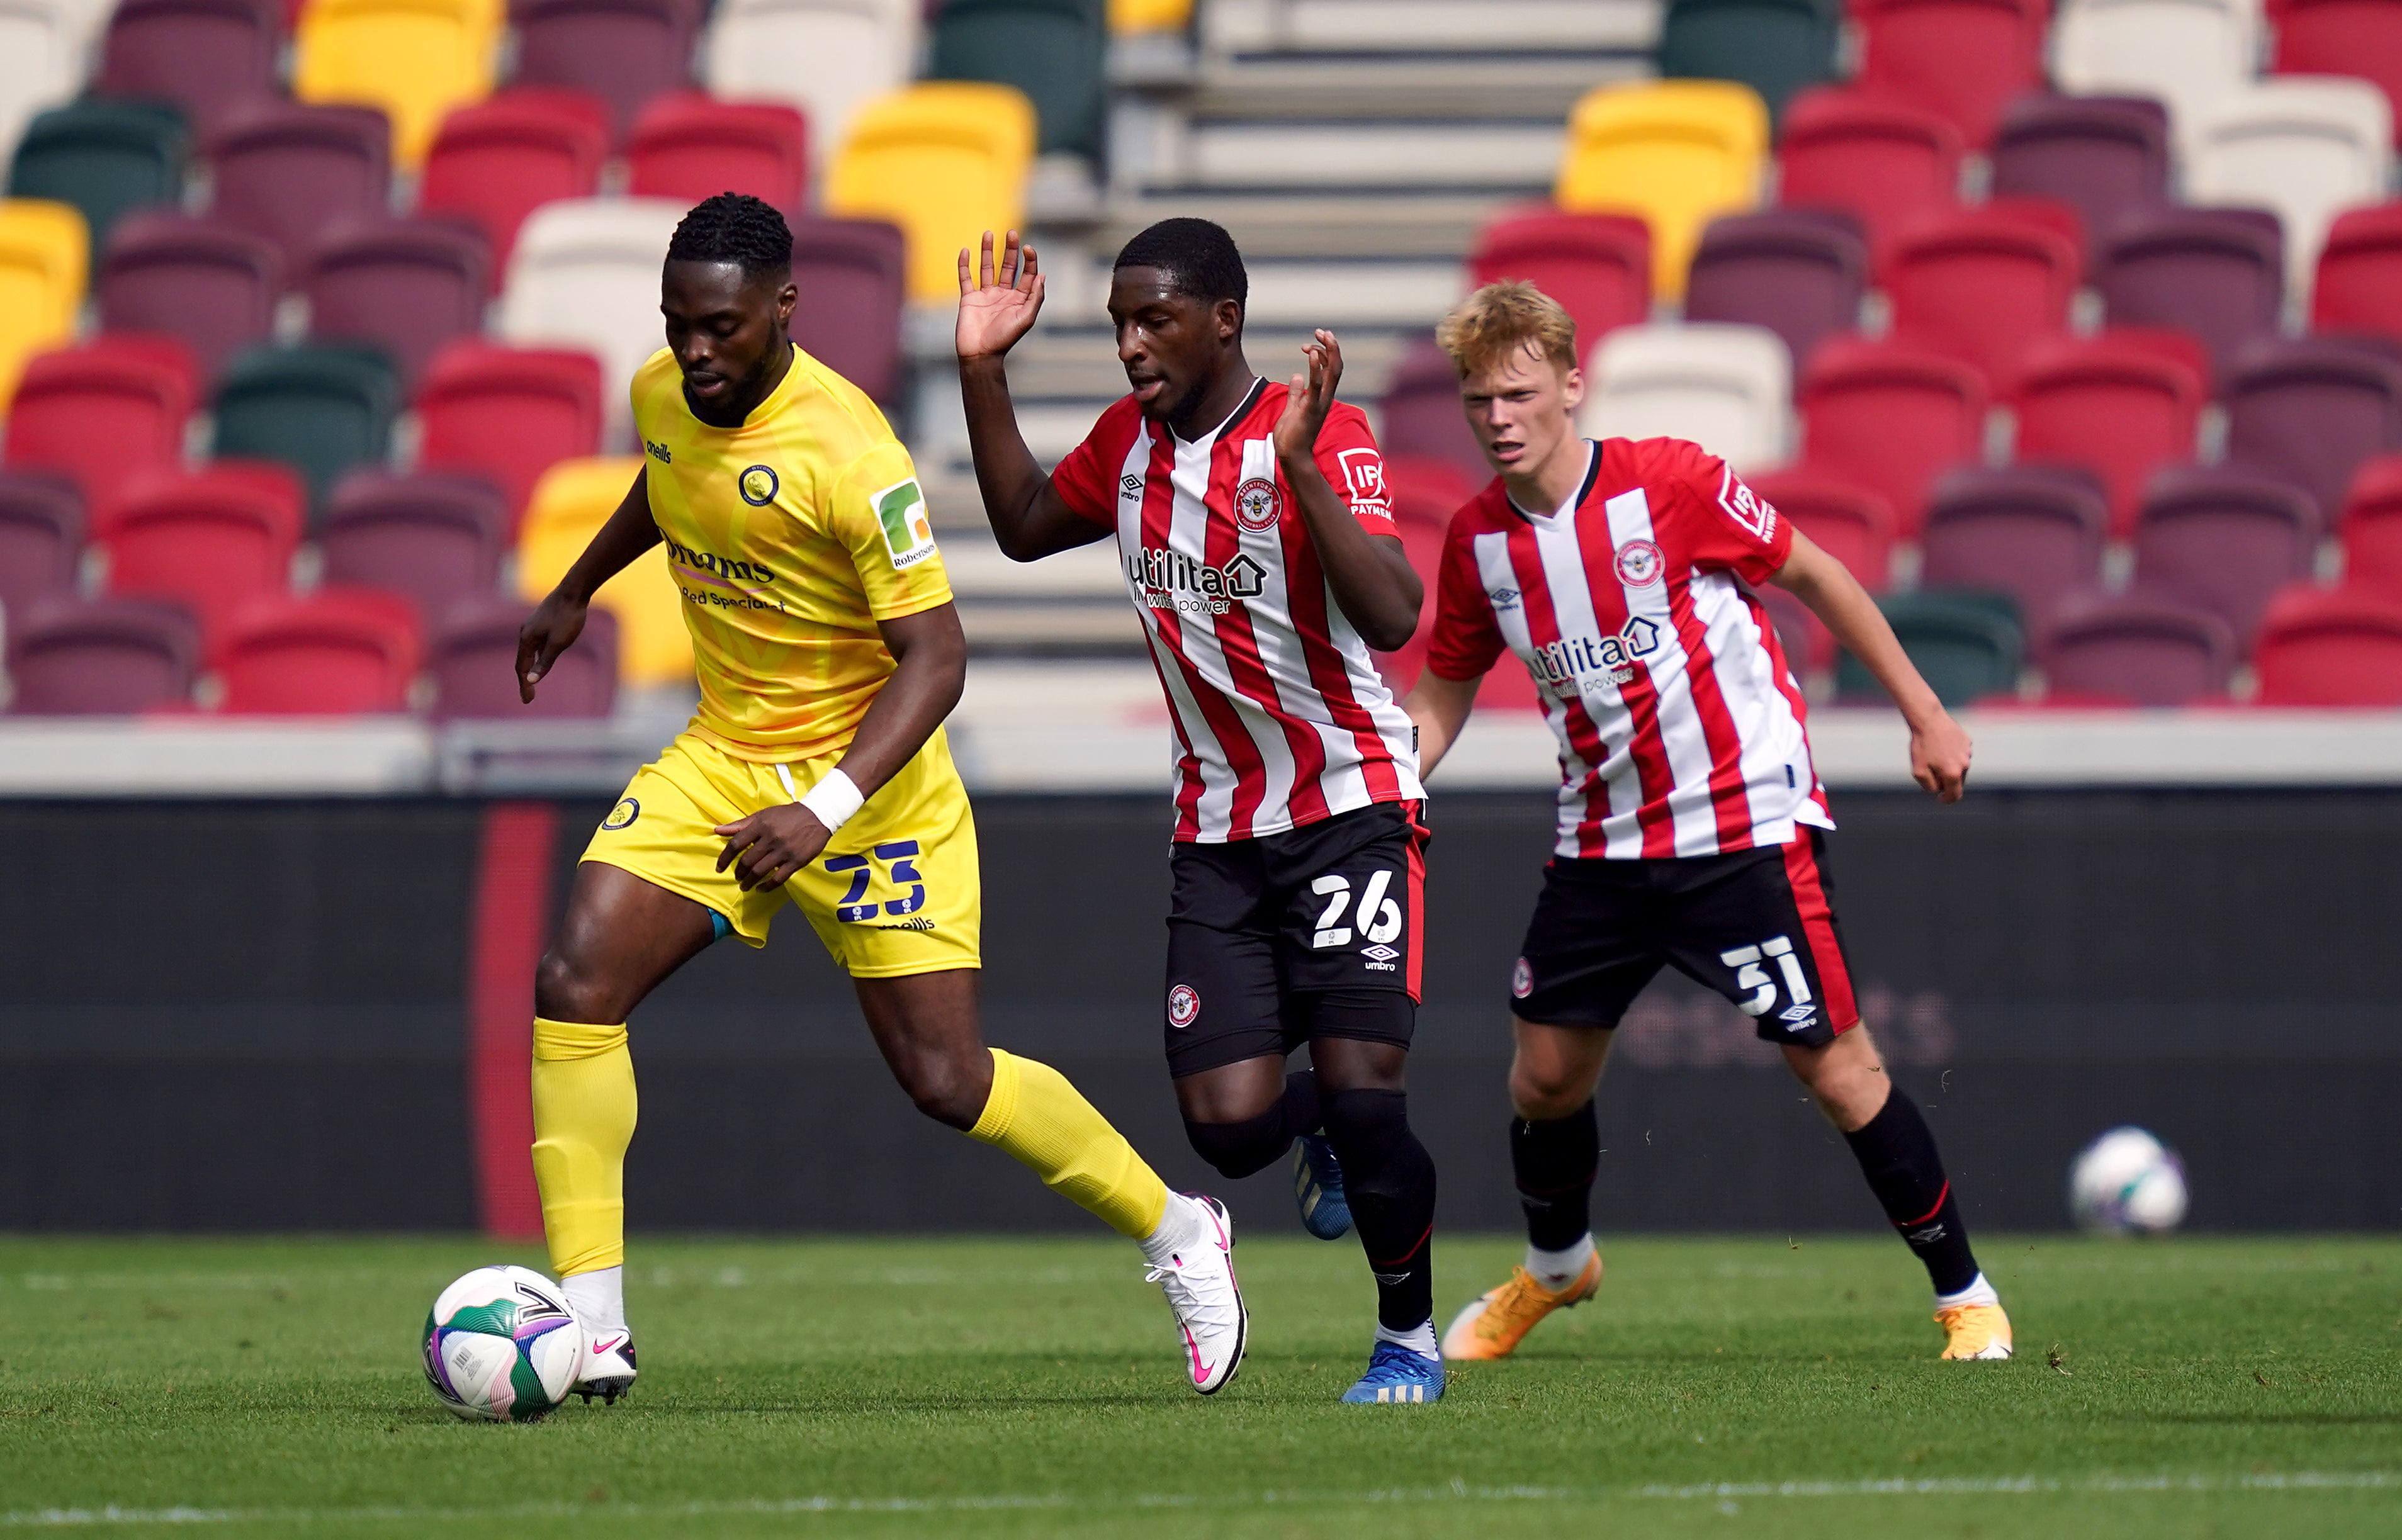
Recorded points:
(1597,266)
(338,651)
(41,539)
(2305,149)
(210,58)
(2355,38)
(2032,531)
(405,286)
(103,412)
(829,57)
(2224,539)
(1053,50)
(212,538)
(2124,405)
(2359,285)
(625,52)
(103,157)
(1851,523)
(1775,47)
(1798,273)
(1965,645)
(851,274)
(471,657)
(1808,646)
(434,536)
(210,286)
(1888,162)
(2371,526)
(687,147)
(498,160)
(1422,416)
(2105,157)
(292,174)
(573,499)
(1890,418)
(41,64)
(2138,648)
(944,161)
(587,275)
(2216,273)
(2310,411)
(1677,153)
(43,260)
(1962,60)
(2186,54)
(1984,285)
(110,657)
(319,407)
(1131,16)
(415,60)
(1728,388)
(2331,647)
(507,414)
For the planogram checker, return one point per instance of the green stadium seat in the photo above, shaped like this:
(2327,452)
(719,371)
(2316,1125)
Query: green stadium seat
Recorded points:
(1775,47)
(103,157)
(321,409)
(1053,50)
(1967,643)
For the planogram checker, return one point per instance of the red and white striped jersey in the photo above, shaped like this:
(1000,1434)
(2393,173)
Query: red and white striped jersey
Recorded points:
(1281,717)
(1681,729)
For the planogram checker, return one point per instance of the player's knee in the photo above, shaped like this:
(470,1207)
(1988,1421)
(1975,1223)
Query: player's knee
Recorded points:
(1239,1149)
(1542,1094)
(945,1089)
(564,990)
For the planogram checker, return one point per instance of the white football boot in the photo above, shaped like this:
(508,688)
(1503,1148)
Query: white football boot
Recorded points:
(1198,1279)
(607,1370)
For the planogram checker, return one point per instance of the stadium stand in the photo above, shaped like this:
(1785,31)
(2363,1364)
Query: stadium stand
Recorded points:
(210,286)
(1052,50)
(338,651)
(104,412)
(2371,526)
(1961,60)
(2331,647)
(435,537)
(507,414)
(944,162)
(2359,282)
(573,499)
(853,277)
(1729,387)
(2187,54)
(1852,523)
(2226,540)
(2340,37)
(626,53)
(1421,413)
(103,157)
(413,60)
(1802,273)
(41,540)
(687,146)
(404,287)
(1678,153)
(2308,411)
(498,160)
(1888,163)
(2304,149)
(2105,157)
(2032,531)
(40,51)
(1889,417)
(1775,47)
(44,258)
(2124,404)
(292,174)
(319,407)
(471,657)
(108,656)
(210,58)
(586,274)
(2217,274)
(211,539)
(2134,650)
(1984,285)
(1597,266)
(1969,646)
(827,56)
(1139,16)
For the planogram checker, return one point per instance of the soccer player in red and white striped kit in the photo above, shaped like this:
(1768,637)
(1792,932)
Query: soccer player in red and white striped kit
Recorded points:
(1257,542)
(1691,825)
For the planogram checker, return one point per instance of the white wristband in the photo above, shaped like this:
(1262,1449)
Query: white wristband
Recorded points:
(833,799)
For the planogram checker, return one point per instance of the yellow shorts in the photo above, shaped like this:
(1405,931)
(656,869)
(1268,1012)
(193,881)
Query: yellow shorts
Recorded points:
(897,891)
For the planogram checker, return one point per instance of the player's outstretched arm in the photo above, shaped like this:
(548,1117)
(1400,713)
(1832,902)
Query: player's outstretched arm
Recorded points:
(1370,575)
(997,306)
(559,619)
(1939,747)
(1438,708)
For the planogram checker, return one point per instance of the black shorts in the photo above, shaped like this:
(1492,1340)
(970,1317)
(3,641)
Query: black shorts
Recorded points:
(1757,926)
(1313,932)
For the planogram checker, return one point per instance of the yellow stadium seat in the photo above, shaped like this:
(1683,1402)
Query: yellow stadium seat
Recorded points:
(1680,153)
(414,59)
(1149,15)
(946,160)
(44,254)
(570,503)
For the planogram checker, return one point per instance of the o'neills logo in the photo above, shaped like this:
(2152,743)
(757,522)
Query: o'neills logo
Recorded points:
(1561,663)
(1170,580)
(718,566)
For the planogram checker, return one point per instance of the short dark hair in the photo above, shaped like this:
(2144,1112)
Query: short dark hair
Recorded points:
(1198,257)
(734,228)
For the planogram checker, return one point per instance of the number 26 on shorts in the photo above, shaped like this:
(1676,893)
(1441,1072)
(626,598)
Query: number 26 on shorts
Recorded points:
(1379,917)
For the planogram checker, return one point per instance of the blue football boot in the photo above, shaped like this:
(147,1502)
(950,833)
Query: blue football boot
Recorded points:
(1397,1374)
(1318,1188)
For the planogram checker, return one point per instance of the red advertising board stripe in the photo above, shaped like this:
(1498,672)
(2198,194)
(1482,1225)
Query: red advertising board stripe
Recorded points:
(508,926)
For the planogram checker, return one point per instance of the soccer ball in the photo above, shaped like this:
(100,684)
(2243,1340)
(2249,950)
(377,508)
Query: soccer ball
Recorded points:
(2128,1181)
(501,1345)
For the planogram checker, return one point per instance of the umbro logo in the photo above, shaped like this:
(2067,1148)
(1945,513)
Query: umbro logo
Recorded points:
(1379,953)
(1504,599)
(1130,485)
(1797,1014)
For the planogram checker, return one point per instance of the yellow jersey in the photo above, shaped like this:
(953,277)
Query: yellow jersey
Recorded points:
(789,537)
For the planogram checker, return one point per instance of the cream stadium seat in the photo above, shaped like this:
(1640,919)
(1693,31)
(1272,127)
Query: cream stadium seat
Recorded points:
(946,160)
(827,56)
(42,45)
(1678,153)
(2187,53)
(570,503)
(44,254)
(2307,146)
(586,274)
(414,59)
(1727,388)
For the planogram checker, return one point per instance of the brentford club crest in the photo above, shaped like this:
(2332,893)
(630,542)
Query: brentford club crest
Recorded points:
(1257,505)
(1183,1006)
(1639,564)
(1522,979)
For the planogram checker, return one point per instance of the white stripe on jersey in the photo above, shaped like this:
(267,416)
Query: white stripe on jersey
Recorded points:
(1764,724)
(1217,780)
(1689,806)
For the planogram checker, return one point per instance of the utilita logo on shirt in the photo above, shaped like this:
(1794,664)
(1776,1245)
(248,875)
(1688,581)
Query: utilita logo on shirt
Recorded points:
(1562,664)
(1170,580)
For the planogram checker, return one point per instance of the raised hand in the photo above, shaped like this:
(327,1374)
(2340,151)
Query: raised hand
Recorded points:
(997,306)
(550,630)
(1311,398)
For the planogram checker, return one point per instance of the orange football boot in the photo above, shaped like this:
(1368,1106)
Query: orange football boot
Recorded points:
(1975,1331)
(1498,1320)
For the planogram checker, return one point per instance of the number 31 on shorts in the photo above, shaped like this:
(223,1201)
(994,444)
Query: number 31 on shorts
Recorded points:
(1378,916)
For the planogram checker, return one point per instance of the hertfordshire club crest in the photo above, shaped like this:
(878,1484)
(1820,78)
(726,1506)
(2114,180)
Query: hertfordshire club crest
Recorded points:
(1639,564)
(1257,505)
(1183,1006)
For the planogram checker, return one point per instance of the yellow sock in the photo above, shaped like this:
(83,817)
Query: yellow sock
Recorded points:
(583,1121)
(1045,1123)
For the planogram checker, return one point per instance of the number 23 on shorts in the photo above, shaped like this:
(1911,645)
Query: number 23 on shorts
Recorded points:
(902,855)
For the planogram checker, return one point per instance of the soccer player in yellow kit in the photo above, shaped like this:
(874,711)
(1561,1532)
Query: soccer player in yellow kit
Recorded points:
(815,772)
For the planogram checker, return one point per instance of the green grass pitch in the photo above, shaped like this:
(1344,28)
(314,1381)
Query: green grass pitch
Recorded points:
(929,1386)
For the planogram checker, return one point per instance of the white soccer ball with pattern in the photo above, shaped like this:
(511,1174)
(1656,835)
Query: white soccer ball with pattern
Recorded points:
(502,1346)
(2128,1182)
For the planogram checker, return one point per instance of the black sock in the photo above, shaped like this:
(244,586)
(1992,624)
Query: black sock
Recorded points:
(1389,1179)
(1897,1153)
(1236,1150)
(1555,1161)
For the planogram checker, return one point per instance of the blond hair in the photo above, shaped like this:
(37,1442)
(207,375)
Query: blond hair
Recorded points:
(1496,322)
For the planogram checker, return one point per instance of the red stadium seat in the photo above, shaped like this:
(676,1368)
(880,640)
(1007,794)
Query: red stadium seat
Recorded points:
(1964,59)
(435,536)
(212,538)
(1888,418)
(2359,37)
(2371,526)
(102,656)
(2359,287)
(405,286)
(499,159)
(1984,285)
(626,52)
(689,147)
(210,285)
(1428,491)
(2310,410)
(103,412)
(1850,522)
(292,176)
(2123,405)
(339,651)
(1423,415)
(41,535)
(2225,539)
(2140,649)
(509,413)
(1597,266)
(472,659)
(2033,533)
(1892,164)
(2331,647)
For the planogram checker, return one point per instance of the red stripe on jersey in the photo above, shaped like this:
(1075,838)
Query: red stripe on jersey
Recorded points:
(1221,545)
(1818,926)
(1158,514)
(1414,814)
(1306,600)
(1729,803)
(1584,734)
(1653,771)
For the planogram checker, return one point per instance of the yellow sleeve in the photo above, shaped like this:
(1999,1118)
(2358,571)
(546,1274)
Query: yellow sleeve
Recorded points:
(879,512)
